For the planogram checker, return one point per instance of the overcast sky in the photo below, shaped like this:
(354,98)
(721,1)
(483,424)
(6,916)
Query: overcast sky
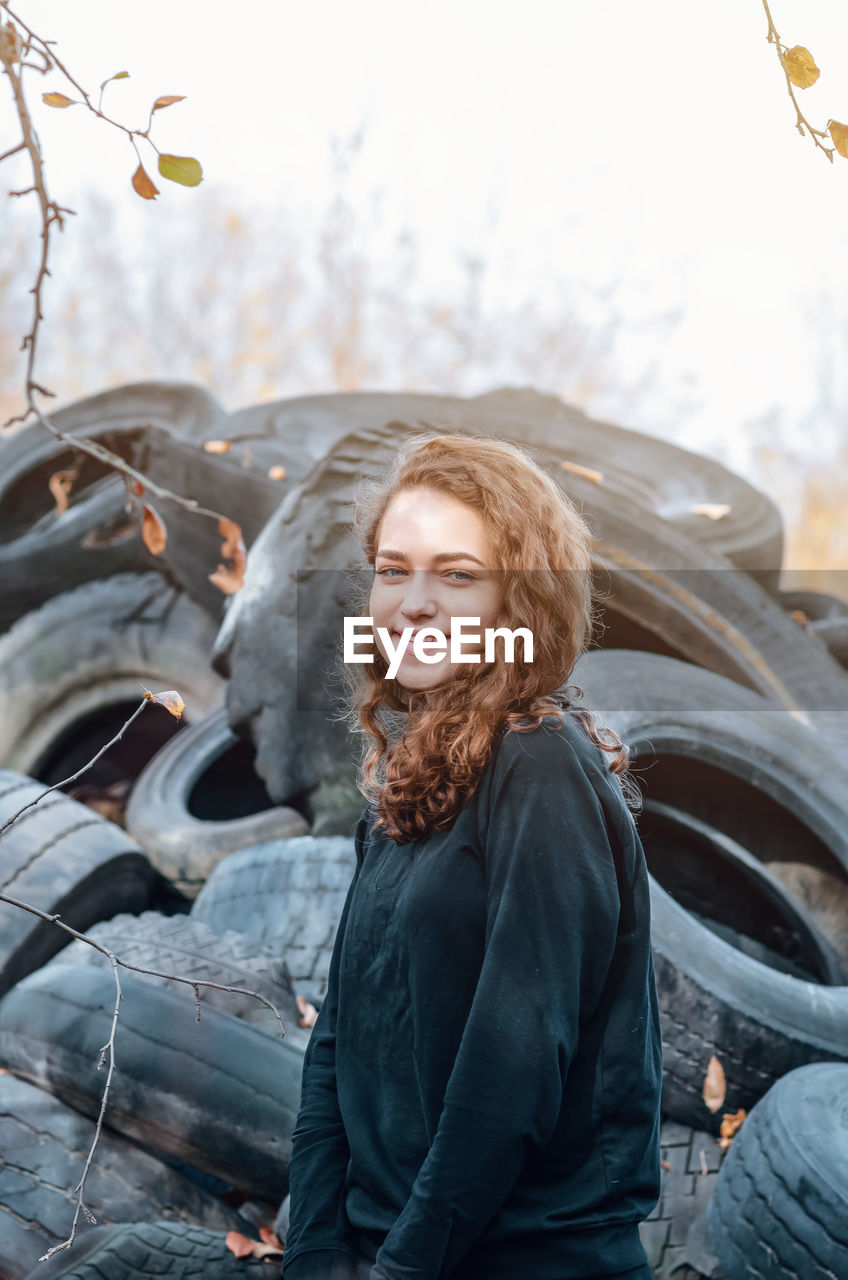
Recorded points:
(650,147)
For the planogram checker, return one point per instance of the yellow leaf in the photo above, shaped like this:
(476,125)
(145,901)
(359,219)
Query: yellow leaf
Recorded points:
(58,100)
(170,700)
(183,169)
(230,577)
(715,1085)
(276,473)
(119,75)
(800,67)
(166,100)
(153,532)
(59,485)
(596,476)
(143,184)
(731,1122)
(217,446)
(715,510)
(839,133)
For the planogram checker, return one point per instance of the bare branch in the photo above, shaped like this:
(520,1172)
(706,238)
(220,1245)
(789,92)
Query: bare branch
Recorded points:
(801,120)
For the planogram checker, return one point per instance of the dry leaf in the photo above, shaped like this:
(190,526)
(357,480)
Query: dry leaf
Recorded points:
(715,1084)
(153,531)
(60,484)
(839,134)
(276,473)
(58,100)
(308,1012)
(229,578)
(243,1247)
(800,67)
(10,44)
(715,510)
(135,487)
(166,100)
(170,700)
(240,1245)
(665,1164)
(730,1123)
(596,476)
(217,446)
(143,184)
(268,1237)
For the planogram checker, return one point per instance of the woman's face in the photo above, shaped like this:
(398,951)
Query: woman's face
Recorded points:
(434,562)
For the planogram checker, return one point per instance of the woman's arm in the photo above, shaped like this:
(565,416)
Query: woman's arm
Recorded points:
(552,917)
(317,1240)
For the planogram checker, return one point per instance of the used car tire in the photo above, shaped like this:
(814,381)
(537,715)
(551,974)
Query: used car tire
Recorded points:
(200,799)
(728,756)
(73,671)
(44,1148)
(232,1115)
(780,1204)
(139,1251)
(188,948)
(287,895)
(63,858)
(41,553)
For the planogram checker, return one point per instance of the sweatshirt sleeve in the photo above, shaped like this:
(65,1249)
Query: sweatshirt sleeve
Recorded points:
(552,918)
(317,1245)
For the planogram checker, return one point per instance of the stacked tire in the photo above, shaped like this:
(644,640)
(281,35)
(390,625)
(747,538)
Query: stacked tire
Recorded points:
(224,874)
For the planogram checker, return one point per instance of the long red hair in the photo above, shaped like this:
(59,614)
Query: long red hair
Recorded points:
(422,758)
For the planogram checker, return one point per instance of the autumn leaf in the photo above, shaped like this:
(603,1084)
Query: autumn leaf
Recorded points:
(170,700)
(243,1247)
(119,75)
(268,1237)
(715,510)
(153,531)
(240,1245)
(166,100)
(60,484)
(135,487)
(143,184)
(230,578)
(596,476)
(800,67)
(58,100)
(183,169)
(839,134)
(715,1084)
(730,1123)
(217,446)
(308,1013)
(276,473)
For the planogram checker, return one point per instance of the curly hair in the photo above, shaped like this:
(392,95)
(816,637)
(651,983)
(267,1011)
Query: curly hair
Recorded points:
(424,753)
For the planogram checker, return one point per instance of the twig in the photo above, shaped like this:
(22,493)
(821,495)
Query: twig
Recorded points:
(51,213)
(116,962)
(801,119)
(109,1046)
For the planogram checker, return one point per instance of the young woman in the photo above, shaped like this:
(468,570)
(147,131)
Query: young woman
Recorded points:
(481,1089)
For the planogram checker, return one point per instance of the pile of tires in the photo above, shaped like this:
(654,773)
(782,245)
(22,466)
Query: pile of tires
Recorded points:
(223,873)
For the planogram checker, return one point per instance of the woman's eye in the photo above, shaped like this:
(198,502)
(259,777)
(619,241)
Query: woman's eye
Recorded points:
(463,576)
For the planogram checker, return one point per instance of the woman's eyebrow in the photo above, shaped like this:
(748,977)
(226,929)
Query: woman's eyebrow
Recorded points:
(443,556)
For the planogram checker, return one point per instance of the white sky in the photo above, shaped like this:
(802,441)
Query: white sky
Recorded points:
(646,146)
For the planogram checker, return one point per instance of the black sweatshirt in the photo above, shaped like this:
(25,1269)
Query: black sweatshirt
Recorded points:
(481,1089)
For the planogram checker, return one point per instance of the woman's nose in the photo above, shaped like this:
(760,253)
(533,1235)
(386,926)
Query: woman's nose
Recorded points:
(419,596)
